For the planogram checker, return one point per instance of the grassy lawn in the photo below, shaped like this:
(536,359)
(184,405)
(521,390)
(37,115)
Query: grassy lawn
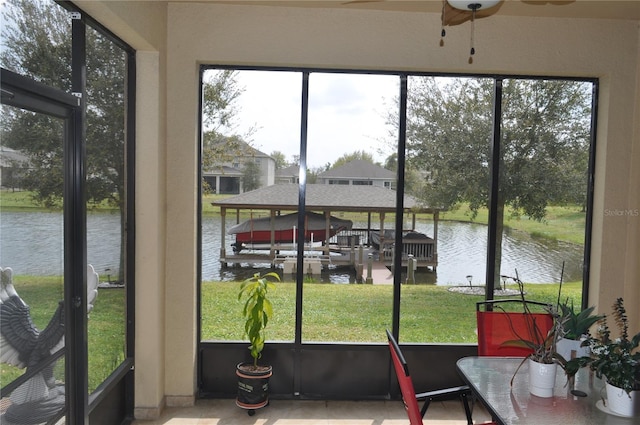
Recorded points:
(360,313)
(564,223)
(18,201)
(332,313)
(22,201)
(106,334)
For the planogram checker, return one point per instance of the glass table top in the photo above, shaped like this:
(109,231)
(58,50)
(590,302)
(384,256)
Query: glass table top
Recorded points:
(489,378)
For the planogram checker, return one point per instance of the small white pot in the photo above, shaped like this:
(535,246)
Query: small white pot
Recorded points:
(564,347)
(542,378)
(621,403)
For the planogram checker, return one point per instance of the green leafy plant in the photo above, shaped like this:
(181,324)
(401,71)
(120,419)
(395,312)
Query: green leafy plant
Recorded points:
(618,360)
(257,310)
(577,324)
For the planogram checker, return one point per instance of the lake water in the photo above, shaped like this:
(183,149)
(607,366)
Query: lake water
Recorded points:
(461,249)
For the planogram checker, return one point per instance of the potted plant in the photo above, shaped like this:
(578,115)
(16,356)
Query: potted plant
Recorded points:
(253,379)
(575,329)
(542,341)
(544,360)
(617,360)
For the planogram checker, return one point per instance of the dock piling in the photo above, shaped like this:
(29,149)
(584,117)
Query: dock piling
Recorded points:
(411,270)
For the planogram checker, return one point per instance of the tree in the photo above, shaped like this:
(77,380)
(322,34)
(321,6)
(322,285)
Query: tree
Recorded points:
(220,144)
(544,147)
(250,175)
(37,42)
(38,45)
(218,149)
(414,180)
(280,158)
(221,92)
(357,155)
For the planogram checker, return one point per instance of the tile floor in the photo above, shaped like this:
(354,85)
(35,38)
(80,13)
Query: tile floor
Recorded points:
(305,412)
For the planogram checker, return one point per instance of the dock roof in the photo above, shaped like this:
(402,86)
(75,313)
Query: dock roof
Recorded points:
(322,197)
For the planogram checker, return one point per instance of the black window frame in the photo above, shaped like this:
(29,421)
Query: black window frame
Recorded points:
(403,77)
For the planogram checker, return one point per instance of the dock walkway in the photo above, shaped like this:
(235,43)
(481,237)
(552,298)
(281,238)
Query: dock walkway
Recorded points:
(380,269)
(380,274)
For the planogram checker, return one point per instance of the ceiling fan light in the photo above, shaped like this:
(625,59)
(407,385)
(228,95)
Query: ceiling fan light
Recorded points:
(472,4)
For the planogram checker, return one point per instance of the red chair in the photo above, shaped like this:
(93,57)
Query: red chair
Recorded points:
(496,325)
(409,395)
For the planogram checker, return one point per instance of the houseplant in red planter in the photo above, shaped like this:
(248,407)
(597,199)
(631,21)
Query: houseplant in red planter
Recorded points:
(253,378)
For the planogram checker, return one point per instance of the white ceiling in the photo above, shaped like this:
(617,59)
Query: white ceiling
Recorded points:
(601,9)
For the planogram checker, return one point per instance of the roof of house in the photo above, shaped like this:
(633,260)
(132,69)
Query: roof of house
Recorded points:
(290,171)
(322,197)
(9,157)
(244,149)
(257,152)
(359,169)
(222,170)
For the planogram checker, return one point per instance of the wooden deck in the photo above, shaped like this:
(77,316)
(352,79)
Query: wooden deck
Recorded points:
(422,252)
(380,274)
(338,256)
(370,265)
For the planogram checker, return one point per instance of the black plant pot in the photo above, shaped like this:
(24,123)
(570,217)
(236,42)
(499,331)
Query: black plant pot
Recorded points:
(253,386)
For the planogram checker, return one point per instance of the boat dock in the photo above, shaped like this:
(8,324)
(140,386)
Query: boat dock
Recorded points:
(380,274)
(370,266)
(259,240)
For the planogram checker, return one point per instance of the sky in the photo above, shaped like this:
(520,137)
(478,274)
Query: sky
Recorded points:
(347,113)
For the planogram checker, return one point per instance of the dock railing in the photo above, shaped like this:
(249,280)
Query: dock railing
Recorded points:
(423,252)
(349,238)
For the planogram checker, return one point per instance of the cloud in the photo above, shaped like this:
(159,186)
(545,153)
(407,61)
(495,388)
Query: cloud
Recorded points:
(347,112)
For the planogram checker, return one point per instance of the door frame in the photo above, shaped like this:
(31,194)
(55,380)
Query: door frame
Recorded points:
(22,92)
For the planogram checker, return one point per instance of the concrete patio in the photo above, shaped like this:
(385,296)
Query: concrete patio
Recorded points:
(305,412)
